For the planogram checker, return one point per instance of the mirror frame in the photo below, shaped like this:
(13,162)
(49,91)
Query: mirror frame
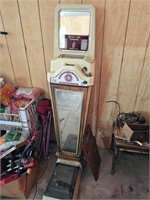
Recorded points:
(81,129)
(75,7)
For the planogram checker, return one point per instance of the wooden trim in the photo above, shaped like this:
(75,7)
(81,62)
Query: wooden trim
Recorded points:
(85,103)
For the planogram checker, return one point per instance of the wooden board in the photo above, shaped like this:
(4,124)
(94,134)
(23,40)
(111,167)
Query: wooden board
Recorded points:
(6,68)
(70,1)
(143,97)
(99,34)
(121,58)
(134,53)
(47,15)
(11,20)
(116,16)
(31,24)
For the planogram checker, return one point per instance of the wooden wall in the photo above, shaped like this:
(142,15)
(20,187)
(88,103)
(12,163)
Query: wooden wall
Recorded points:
(122,54)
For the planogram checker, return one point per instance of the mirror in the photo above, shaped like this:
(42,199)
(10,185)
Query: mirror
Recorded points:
(74,30)
(69,106)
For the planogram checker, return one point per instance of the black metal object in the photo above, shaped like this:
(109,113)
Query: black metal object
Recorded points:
(120,145)
(70,144)
(115,152)
(62,182)
(3,33)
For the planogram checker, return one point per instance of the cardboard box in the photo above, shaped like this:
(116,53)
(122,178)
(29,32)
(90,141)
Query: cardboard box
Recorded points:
(14,188)
(136,132)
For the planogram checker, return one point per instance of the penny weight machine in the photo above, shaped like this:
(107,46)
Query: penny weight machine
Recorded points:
(71,78)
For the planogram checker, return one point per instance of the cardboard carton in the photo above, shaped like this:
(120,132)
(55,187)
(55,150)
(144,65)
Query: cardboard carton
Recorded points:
(136,132)
(15,189)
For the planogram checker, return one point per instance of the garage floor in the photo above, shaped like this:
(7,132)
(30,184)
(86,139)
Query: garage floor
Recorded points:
(130,181)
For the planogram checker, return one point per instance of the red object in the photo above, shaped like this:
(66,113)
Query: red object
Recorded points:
(8,179)
(115,192)
(6,93)
(32,163)
(19,103)
(25,183)
(28,92)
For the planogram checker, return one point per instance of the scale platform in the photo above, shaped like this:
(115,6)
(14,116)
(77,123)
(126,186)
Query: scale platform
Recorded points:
(62,182)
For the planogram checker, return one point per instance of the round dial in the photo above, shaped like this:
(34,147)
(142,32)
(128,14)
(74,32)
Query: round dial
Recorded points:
(68,77)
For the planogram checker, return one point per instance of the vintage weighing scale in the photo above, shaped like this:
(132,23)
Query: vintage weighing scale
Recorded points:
(71,78)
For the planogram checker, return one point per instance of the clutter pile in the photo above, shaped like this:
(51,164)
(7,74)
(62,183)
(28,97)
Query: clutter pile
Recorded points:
(12,98)
(19,161)
(19,136)
(132,128)
(19,168)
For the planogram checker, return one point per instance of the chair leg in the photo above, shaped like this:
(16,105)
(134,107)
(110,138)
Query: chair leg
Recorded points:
(115,156)
(111,147)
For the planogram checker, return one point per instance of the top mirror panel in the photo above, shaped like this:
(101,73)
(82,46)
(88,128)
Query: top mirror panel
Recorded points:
(73,33)
(74,30)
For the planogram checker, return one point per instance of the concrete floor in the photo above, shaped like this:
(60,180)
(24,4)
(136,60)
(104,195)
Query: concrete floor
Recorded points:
(130,181)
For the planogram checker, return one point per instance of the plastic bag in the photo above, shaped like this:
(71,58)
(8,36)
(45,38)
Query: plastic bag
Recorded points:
(12,138)
(6,93)
(29,93)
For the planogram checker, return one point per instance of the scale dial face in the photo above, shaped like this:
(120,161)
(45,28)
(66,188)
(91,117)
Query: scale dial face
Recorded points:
(68,77)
